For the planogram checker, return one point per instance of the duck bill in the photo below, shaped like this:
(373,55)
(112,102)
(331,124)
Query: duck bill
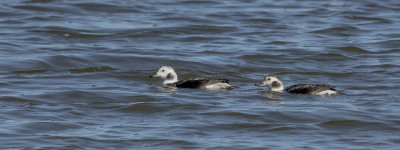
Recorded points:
(259,84)
(153,76)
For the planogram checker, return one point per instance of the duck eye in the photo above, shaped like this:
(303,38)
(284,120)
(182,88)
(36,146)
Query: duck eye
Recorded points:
(162,70)
(268,79)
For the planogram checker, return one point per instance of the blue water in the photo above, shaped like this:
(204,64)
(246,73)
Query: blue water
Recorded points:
(74,74)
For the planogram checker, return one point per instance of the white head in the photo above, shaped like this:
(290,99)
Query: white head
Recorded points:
(273,82)
(167,73)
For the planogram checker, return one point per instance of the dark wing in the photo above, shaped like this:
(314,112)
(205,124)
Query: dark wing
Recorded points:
(189,84)
(198,82)
(307,88)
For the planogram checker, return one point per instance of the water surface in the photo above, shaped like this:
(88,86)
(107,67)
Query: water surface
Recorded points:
(74,74)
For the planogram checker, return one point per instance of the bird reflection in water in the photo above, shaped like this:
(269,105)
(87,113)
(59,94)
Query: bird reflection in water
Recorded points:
(167,89)
(275,96)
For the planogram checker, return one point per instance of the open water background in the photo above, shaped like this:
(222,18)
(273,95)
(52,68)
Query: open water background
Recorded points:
(74,74)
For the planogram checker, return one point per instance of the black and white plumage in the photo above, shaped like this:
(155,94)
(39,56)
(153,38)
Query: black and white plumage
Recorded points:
(171,79)
(275,84)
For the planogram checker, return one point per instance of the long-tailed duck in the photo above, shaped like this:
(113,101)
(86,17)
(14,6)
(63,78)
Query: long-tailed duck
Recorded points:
(171,79)
(275,84)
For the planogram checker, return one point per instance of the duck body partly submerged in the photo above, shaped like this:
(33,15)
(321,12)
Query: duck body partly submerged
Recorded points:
(275,84)
(313,89)
(171,80)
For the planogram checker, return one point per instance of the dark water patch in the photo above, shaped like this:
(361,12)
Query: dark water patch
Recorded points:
(356,125)
(53,29)
(92,69)
(30,71)
(199,2)
(45,18)
(185,19)
(205,29)
(374,19)
(14,99)
(280,42)
(331,55)
(4,84)
(188,107)
(145,108)
(213,52)
(234,115)
(246,126)
(349,44)
(40,1)
(83,35)
(344,31)
(106,8)
(375,6)
(71,33)
(7,14)
(381,67)
(260,21)
(43,8)
(342,123)
(204,39)
(228,14)
(46,126)
(396,141)
(353,49)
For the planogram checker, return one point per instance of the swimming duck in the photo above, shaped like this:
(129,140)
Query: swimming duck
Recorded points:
(171,79)
(275,84)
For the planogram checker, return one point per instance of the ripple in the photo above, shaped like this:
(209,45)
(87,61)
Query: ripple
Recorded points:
(355,125)
(339,31)
(201,2)
(14,99)
(70,33)
(43,127)
(378,66)
(106,8)
(204,38)
(375,19)
(261,21)
(74,74)
(92,69)
(233,114)
(353,49)
(146,108)
(67,61)
(31,71)
(42,8)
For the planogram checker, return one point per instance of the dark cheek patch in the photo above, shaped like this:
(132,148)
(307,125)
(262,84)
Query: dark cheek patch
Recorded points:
(276,84)
(170,76)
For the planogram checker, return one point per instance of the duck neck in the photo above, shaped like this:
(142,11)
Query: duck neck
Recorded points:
(171,78)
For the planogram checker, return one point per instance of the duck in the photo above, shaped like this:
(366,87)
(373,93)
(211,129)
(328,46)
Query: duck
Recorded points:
(171,80)
(275,84)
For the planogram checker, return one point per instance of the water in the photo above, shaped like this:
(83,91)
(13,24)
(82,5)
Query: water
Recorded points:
(74,74)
